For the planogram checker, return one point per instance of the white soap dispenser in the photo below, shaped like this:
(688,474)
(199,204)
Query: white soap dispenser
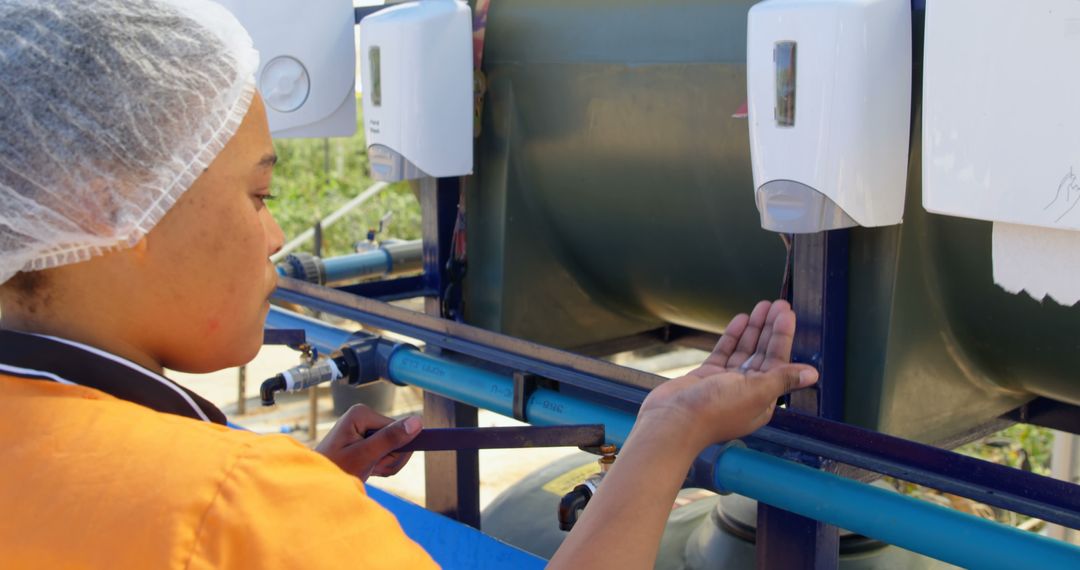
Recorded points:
(416,66)
(829,102)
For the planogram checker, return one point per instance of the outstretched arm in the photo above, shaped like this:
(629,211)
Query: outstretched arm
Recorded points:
(730,395)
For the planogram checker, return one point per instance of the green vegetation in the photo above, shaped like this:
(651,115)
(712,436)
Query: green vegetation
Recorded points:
(314,177)
(1021,446)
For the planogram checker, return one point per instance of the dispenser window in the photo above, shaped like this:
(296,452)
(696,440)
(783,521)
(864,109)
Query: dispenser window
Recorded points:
(376,76)
(784,57)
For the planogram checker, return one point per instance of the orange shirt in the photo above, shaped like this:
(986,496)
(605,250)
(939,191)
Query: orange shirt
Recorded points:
(91,481)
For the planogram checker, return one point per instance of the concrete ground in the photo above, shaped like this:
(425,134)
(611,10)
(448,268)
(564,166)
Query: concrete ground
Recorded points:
(499,469)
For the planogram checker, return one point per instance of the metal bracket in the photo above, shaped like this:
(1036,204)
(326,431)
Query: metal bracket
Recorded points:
(290,337)
(524,386)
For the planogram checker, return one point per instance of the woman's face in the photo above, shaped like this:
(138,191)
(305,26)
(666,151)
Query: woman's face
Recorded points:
(210,258)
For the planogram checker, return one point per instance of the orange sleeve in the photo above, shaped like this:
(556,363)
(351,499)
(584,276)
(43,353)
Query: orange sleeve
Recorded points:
(283,506)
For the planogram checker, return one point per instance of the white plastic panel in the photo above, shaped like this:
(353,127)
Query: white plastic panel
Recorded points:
(839,130)
(307,64)
(416,61)
(1001,113)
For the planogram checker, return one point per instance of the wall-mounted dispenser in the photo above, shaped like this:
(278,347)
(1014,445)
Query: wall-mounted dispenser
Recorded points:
(307,64)
(1001,134)
(416,65)
(829,91)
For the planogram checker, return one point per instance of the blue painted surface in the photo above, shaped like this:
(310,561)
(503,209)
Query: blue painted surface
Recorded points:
(938,532)
(452,544)
(495,392)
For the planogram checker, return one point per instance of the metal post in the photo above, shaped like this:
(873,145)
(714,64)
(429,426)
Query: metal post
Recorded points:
(451,478)
(241,387)
(784,539)
(313,392)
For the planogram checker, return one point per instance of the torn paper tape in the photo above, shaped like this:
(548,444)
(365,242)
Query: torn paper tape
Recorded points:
(1043,262)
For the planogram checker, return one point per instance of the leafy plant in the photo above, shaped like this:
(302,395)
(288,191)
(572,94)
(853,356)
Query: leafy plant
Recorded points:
(315,177)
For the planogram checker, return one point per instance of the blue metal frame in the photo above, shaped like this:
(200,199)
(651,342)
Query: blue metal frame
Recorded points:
(905,521)
(790,433)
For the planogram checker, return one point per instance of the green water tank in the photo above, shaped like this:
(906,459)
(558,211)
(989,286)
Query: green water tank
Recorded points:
(613,195)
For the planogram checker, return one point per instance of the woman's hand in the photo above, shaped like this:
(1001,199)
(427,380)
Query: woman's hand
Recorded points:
(730,395)
(346,446)
(734,391)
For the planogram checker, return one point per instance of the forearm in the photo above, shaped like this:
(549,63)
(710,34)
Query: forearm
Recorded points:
(623,523)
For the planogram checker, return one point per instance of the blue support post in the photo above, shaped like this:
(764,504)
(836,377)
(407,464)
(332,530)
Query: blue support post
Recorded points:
(786,539)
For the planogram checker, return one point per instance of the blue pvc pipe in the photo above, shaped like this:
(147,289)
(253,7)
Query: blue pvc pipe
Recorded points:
(939,532)
(916,525)
(324,337)
(495,392)
(354,266)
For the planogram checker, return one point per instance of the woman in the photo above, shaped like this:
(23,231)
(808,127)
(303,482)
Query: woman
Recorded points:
(135,162)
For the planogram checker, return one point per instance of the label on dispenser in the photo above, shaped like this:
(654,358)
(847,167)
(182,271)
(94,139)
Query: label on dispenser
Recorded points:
(784,57)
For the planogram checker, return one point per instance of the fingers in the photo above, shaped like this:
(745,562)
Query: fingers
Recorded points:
(390,438)
(360,418)
(749,340)
(782,379)
(780,339)
(391,464)
(730,339)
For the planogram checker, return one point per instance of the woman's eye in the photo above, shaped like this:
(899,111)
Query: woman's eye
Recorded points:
(264,198)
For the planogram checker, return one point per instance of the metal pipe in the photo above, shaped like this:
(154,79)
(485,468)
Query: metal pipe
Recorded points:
(939,532)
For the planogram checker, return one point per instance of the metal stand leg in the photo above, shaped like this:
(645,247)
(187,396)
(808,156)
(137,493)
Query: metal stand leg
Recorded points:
(241,388)
(784,539)
(451,478)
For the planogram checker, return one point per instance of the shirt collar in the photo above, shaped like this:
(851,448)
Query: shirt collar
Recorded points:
(44,357)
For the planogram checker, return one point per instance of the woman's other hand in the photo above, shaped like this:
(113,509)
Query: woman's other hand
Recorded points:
(347,447)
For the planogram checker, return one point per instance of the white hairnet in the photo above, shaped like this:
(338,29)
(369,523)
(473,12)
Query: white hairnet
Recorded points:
(109,110)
